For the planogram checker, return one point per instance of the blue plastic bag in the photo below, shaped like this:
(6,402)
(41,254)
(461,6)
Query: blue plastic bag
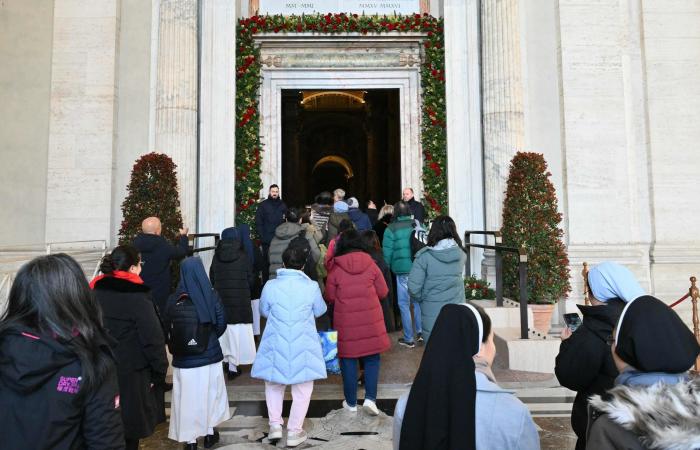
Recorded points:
(329,346)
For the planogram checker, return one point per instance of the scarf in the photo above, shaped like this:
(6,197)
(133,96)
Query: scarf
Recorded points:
(121,274)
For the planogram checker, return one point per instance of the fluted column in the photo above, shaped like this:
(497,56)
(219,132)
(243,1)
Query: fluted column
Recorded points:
(217,133)
(176,97)
(464,159)
(503,116)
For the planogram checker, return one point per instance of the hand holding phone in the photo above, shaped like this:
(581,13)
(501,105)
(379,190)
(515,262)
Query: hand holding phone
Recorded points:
(572,320)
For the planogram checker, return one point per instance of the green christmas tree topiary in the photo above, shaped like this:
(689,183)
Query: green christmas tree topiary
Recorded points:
(152,191)
(531,219)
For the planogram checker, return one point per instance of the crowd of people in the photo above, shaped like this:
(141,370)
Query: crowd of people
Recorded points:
(84,365)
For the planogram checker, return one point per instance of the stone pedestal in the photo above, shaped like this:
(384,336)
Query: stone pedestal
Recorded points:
(176,97)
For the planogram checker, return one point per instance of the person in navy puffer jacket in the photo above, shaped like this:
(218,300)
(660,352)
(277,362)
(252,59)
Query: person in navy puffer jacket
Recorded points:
(290,349)
(360,219)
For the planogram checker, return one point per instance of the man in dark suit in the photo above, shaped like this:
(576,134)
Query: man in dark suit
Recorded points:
(156,254)
(269,215)
(416,207)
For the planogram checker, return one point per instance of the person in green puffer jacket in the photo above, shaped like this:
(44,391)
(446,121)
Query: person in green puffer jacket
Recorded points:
(396,247)
(436,277)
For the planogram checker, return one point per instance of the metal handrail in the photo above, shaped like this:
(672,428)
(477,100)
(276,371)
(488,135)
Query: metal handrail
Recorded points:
(193,236)
(522,271)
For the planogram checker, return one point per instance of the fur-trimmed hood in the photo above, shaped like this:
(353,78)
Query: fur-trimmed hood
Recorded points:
(663,416)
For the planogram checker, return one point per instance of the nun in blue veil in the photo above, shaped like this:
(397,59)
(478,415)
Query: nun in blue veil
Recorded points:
(199,401)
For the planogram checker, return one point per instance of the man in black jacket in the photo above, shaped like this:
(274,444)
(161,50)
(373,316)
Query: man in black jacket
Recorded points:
(416,207)
(156,254)
(584,363)
(269,215)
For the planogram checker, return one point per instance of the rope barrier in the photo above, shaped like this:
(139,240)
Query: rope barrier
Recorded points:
(680,300)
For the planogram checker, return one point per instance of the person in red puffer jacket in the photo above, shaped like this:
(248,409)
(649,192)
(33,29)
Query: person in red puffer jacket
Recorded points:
(354,286)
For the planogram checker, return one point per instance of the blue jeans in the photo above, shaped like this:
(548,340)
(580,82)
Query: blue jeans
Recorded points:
(348,367)
(404,300)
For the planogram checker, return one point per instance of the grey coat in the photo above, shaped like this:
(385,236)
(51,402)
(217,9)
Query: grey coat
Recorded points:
(436,279)
(502,421)
(284,234)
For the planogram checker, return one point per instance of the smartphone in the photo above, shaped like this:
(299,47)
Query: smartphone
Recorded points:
(572,320)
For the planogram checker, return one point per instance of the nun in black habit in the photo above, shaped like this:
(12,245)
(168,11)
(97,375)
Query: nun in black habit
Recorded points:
(440,412)
(655,403)
(455,403)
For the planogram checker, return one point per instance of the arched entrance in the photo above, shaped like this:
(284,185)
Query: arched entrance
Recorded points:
(341,139)
(331,172)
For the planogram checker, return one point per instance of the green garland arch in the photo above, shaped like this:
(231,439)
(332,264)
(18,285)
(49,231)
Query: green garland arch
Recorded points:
(433,135)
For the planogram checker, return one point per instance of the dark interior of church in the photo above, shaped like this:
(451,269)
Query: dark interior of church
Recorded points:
(347,139)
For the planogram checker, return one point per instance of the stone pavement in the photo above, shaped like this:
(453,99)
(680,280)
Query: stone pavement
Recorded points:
(332,428)
(341,430)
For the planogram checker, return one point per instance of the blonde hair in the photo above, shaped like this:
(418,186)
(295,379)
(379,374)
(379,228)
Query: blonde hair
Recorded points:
(386,209)
(339,193)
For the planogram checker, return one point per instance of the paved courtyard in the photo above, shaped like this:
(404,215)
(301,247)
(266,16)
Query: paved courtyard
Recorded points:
(330,427)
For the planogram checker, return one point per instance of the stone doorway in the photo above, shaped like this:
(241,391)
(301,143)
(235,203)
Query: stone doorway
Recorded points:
(347,139)
(379,65)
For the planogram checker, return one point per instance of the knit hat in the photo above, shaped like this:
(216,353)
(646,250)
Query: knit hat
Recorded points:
(340,207)
(353,203)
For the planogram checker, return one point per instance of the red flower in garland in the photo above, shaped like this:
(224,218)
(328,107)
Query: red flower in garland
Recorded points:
(436,168)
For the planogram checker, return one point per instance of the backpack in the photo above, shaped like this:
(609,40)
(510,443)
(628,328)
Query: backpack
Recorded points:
(187,336)
(302,243)
(419,239)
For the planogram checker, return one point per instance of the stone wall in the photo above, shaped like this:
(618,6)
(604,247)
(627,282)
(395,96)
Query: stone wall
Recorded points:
(83,120)
(26,35)
(133,98)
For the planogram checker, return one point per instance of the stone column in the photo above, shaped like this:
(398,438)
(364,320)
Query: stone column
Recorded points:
(217,133)
(503,118)
(464,155)
(176,97)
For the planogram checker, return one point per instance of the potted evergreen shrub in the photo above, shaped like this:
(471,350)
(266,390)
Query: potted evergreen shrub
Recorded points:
(152,191)
(531,220)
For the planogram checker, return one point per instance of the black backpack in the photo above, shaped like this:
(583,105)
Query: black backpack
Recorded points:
(419,239)
(187,336)
(302,243)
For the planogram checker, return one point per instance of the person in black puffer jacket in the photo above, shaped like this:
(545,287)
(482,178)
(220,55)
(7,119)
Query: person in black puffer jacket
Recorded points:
(584,363)
(58,379)
(131,319)
(371,241)
(231,274)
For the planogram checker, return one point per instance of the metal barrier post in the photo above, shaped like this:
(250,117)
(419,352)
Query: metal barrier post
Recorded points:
(499,277)
(584,273)
(468,262)
(694,294)
(522,271)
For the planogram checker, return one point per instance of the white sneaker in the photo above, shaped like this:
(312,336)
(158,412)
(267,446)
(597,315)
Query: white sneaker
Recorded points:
(296,438)
(370,408)
(348,407)
(275,433)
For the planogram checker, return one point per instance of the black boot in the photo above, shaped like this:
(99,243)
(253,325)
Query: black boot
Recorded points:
(211,439)
(191,446)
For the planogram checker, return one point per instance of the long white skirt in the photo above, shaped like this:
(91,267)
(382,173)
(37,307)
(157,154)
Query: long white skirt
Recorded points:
(199,402)
(238,344)
(255,305)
